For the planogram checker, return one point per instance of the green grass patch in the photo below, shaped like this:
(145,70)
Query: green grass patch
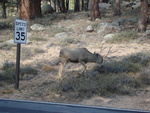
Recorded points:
(124,36)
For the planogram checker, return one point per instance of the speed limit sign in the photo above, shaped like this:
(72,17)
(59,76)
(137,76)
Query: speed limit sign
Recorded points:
(20,31)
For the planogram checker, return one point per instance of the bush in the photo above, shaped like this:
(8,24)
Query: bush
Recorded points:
(5,46)
(29,70)
(9,72)
(133,63)
(102,85)
(121,67)
(145,77)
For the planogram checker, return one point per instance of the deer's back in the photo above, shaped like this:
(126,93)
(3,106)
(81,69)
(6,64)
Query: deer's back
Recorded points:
(74,54)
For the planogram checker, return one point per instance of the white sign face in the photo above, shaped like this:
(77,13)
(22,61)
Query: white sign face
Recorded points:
(20,31)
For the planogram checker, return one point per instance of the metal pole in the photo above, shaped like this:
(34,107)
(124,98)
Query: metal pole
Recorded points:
(17,66)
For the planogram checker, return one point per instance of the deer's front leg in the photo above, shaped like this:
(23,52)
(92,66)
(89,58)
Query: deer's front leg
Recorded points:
(61,69)
(84,65)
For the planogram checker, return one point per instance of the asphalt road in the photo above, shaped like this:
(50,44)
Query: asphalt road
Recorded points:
(20,106)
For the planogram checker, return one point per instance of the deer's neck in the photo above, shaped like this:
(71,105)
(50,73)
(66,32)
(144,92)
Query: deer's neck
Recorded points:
(92,58)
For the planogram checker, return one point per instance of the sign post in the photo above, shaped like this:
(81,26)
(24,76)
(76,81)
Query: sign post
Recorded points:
(20,37)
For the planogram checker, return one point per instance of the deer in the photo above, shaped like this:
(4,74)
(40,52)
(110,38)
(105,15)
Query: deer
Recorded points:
(78,55)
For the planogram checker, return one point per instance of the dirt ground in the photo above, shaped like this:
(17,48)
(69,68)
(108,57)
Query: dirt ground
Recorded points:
(32,89)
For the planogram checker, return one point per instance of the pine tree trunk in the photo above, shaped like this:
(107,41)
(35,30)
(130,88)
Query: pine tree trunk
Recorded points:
(117,10)
(4,9)
(142,22)
(67,5)
(63,6)
(35,9)
(76,5)
(95,10)
(25,10)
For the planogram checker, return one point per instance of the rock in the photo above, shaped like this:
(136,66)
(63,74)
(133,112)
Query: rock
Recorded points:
(46,9)
(107,27)
(89,28)
(133,20)
(137,5)
(68,40)
(125,4)
(11,42)
(115,23)
(118,22)
(104,5)
(108,36)
(62,34)
(37,27)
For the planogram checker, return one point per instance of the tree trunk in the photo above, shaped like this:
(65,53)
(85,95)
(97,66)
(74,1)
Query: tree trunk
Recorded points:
(82,6)
(35,9)
(117,8)
(63,6)
(67,5)
(95,10)
(76,5)
(24,9)
(4,9)
(142,22)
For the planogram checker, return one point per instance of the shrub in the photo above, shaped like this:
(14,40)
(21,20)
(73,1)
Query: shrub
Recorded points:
(38,50)
(5,46)
(29,70)
(121,67)
(102,85)
(37,39)
(145,77)
(9,69)
(133,63)
(47,68)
